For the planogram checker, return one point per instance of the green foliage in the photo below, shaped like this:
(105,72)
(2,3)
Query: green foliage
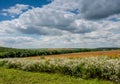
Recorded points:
(11,76)
(12,52)
(92,67)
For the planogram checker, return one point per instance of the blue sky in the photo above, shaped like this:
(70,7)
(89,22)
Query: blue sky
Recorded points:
(35,3)
(5,4)
(59,23)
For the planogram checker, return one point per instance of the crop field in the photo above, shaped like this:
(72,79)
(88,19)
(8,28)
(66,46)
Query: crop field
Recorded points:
(111,53)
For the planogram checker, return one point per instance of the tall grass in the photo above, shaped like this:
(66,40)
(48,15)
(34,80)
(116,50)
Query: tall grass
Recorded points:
(11,76)
(91,67)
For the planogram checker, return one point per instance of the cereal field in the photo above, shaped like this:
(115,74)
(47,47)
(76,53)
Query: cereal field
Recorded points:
(112,53)
(87,54)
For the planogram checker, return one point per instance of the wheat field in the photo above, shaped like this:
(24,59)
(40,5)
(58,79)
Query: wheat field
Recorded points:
(111,53)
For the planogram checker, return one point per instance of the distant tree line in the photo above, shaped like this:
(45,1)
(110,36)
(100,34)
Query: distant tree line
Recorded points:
(12,52)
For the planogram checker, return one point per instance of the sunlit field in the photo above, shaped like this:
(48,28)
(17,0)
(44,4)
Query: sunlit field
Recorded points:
(11,76)
(103,68)
(111,53)
(97,67)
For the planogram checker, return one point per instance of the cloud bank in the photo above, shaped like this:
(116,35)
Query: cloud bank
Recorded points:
(63,23)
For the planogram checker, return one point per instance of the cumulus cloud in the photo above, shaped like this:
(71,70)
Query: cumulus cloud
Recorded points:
(64,5)
(89,9)
(15,41)
(97,9)
(45,21)
(58,25)
(15,10)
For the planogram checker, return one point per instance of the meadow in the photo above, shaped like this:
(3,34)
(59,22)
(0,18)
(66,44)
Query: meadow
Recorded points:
(89,67)
(98,67)
(12,76)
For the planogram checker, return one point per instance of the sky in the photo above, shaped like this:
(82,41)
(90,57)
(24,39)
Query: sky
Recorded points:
(59,23)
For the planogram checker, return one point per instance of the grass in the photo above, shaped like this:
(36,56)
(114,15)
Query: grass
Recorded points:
(87,68)
(11,76)
(1,53)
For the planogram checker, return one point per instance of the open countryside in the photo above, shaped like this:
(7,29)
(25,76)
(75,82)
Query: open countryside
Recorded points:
(83,64)
(59,41)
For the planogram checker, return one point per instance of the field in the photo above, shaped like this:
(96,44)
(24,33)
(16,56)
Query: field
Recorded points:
(11,76)
(92,67)
(87,54)
(104,68)
(13,53)
(111,53)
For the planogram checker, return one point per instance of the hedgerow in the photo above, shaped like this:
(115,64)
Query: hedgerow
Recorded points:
(12,53)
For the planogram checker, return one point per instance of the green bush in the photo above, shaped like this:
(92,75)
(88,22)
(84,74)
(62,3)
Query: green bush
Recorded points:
(11,53)
(92,67)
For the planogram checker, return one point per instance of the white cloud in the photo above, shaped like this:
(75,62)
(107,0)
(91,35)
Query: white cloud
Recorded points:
(54,25)
(15,10)
(89,9)
(64,5)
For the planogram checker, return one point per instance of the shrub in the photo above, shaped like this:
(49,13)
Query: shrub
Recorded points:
(91,67)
